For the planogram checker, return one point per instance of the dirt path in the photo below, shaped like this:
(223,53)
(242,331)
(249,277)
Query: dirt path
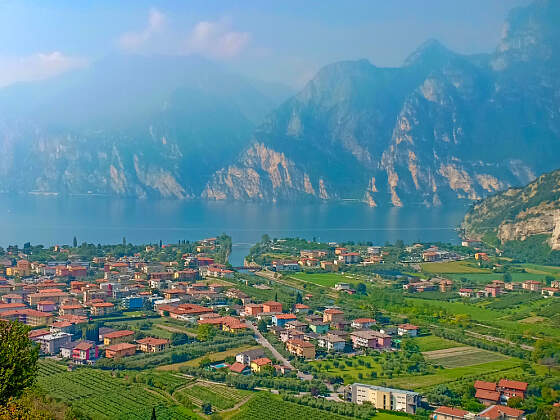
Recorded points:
(175,329)
(499,340)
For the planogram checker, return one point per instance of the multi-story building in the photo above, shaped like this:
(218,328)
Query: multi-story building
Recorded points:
(152,344)
(370,339)
(385,398)
(116,337)
(301,348)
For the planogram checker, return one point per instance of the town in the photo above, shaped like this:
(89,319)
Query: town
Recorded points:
(338,329)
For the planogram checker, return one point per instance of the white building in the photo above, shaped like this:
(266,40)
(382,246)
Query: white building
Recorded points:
(385,398)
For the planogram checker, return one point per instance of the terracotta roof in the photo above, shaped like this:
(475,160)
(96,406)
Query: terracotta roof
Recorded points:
(120,346)
(286,316)
(262,361)
(363,320)
(38,333)
(499,411)
(301,306)
(118,334)
(152,341)
(451,411)
(506,383)
(84,345)
(489,386)
(301,343)
(103,305)
(238,367)
(333,311)
(487,395)
(408,327)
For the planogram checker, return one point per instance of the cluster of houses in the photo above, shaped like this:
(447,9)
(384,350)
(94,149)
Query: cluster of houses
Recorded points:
(498,287)
(437,283)
(58,340)
(322,259)
(494,396)
(304,333)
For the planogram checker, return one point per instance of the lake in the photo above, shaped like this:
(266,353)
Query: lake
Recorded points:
(51,220)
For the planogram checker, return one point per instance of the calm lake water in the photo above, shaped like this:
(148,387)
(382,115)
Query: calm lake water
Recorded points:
(55,220)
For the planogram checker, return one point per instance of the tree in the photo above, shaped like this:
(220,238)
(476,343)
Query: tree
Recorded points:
(207,408)
(205,332)
(75,242)
(18,360)
(361,289)
(514,402)
(154,413)
(299,298)
(265,238)
(124,240)
(276,297)
(179,338)
(262,326)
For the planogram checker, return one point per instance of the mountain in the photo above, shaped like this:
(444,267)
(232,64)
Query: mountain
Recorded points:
(128,125)
(519,214)
(441,128)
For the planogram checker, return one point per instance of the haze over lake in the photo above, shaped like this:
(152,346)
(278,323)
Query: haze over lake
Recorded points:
(56,220)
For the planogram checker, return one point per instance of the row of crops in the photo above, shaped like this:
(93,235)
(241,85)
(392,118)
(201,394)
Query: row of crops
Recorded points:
(267,406)
(220,397)
(101,396)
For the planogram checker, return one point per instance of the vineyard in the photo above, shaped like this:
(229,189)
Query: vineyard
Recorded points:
(220,397)
(99,395)
(267,406)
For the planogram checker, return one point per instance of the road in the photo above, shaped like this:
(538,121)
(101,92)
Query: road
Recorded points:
(265,343)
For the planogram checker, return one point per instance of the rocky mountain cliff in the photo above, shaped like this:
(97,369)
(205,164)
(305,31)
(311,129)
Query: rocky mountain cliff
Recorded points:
(518,214)
(129,126)
(443,127)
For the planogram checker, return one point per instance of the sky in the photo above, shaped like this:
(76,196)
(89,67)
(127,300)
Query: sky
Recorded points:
(283,41)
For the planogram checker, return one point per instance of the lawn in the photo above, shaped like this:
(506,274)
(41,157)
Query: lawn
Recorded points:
(453,267)
(432,342)
(214,357)
(462,356)
(449,375)
(477,313)
(325,279)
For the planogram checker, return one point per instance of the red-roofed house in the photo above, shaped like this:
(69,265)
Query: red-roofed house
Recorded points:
(301,348)
(407,329)
(333,315)
(85,352)
(258,364)
(152,345)
(512,388)
(500,412)
(116,337)
(240,369)
(102,308)
(271,306)
(282,319)
(363,323)
(449,413)
(487,397)
(120,350)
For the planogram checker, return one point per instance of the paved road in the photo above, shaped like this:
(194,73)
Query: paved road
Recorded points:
(265,343)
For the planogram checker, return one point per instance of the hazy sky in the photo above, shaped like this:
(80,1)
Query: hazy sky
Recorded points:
(283,41)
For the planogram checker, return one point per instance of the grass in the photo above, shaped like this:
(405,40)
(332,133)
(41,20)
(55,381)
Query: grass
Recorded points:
(432,342)
(463,356)
(460,267)
(477,313)
(214,357)
(450,375)
(325,279)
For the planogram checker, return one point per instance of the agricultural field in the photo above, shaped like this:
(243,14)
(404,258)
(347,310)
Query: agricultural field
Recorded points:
(432,342)
(101,396)
(460,267)
(473,372)
(219,396)
(462,356)
(476,312)
(214,357)
(267,406)
(361,365)
(326,279)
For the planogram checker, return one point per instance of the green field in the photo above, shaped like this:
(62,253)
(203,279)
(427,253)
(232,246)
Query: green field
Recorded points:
(476,312)
(453,267)
(325,279)
(432,342)
(448,375)
(101,396)
(462,356)
(219,396)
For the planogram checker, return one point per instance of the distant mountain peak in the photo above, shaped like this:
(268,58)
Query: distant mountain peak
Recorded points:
(431,52)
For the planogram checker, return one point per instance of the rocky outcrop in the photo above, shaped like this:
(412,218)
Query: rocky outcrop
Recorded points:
(518,214)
